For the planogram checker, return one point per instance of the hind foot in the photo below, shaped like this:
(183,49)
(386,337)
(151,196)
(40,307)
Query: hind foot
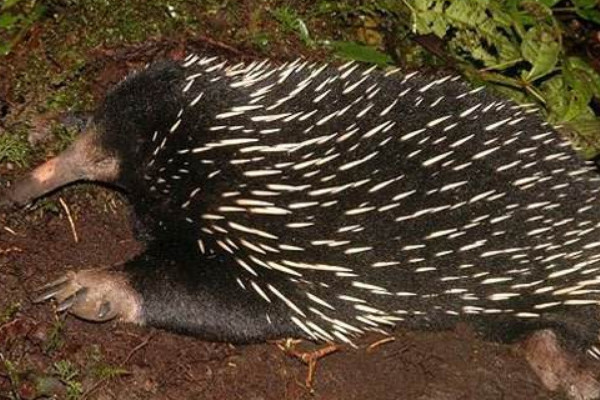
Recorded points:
(94,295)
(558,369)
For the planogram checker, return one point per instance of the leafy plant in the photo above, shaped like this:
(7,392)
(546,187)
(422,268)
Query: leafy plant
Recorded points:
(588,9)
(517,47)
(14,149)
(16,18)
(68,375)
(9,312)
(291,22)
(359,52)
(101,369)
(55,339)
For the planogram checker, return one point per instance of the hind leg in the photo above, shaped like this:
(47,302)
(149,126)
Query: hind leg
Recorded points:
(563,351)
(559,369)
(560,346)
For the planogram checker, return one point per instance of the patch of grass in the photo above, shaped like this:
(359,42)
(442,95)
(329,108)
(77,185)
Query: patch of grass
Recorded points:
(55,338)
(360,52)
(14,149)
(102,370)
(68,375)
(9,313)
(12,373)
(16,18)
(290,21)
(64,136)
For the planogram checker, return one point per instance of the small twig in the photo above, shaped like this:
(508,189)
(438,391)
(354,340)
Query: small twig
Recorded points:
(380,342)
(10,250)
(70,218)
(9,230)
(309,358)
(217,43)
(136,349)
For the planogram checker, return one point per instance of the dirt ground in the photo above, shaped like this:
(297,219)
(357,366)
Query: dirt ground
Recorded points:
(157,365)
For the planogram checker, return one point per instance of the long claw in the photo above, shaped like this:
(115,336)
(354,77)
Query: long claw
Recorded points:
(66,304)
(50,293)
(104,310)
(59,282)
(72,299)
(93,295)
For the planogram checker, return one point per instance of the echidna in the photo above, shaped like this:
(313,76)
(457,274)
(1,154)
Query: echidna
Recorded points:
(309,200)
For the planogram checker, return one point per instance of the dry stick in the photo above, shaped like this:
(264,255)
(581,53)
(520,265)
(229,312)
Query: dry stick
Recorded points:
(217,43)
(70,218)
(9,230)
(380,342)
(10,250)
(121,365)
(309,358)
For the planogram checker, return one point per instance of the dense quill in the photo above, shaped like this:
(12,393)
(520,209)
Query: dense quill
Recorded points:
(379,199)
(331,201)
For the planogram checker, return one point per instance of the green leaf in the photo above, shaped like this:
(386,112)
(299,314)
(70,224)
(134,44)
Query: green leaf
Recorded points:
(589,14)
(359,52)
(501,79)
(564,101)
(585,3)
(467,12)
(7,20)
(4,48)
(429,18)
(548,3)
(576,68)
(555,95)
(8,4)
(541,49)
(583,133)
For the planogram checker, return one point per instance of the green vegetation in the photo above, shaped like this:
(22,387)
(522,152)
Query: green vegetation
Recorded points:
(8,313)
(68,375)
(16,18)
(360,52)
(54,340)
(292,22)
(100,369)
(14,148)
(519,48)
(12,374)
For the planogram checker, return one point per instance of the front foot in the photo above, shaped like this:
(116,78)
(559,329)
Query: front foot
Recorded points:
(94,295)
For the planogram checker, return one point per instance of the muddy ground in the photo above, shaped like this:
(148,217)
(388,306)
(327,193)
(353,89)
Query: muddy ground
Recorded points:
(36,246)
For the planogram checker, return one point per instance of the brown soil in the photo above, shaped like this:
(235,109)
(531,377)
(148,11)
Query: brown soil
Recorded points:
(160,365)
